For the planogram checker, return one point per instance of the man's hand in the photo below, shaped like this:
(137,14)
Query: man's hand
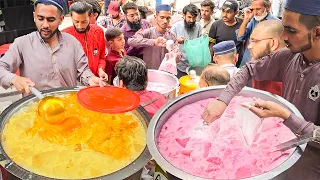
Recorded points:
(22,84)
(103,75)
(213,111)
(178,58)
(248,14)
(266,109)
(95,81)
(181,40)
(160,41)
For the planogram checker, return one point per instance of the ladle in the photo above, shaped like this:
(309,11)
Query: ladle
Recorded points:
(314,136)
(50,108)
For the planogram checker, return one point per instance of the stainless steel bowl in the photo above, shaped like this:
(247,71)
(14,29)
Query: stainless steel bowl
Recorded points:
(160,77)
(162,115)
(22,173)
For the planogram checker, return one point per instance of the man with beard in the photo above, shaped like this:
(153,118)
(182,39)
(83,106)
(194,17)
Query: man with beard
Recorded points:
(115,18)
(187,29)
(46,58)
(223,29)
(153,40)
(96,9)
(259,11)
(133,24)
(298,69)
(90,36)
(264,40)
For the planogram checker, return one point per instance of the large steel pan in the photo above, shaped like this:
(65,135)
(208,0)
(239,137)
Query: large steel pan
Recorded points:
(22,173)
(160,118)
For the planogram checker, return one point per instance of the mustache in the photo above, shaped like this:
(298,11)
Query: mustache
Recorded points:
(82,30)
(44,30)
(52,33)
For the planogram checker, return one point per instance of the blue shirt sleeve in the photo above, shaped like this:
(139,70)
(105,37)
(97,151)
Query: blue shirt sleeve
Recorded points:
(248,32)
(173,29)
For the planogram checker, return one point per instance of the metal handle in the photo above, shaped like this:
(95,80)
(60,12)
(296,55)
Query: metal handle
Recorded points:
(149,102)
(36,92)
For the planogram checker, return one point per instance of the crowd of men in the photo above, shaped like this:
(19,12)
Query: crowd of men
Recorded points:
(271,46)
(145,28)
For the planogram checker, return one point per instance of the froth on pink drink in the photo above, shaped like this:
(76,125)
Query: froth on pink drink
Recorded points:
(158,87)
(219,151)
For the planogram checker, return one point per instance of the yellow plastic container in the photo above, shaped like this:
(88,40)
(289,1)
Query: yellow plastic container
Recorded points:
(188,84)
(101,3)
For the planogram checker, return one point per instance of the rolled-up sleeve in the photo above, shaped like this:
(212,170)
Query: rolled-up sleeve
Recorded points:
(141,39)
(299,126)
(247,33)
(10,63)
(83,69)
(267,68)
(213,33)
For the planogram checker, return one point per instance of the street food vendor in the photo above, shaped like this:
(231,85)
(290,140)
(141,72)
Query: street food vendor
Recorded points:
(46,58)
(298,69)
(90,36)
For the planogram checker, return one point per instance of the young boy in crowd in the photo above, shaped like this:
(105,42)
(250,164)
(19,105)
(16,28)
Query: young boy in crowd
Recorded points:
(115,38)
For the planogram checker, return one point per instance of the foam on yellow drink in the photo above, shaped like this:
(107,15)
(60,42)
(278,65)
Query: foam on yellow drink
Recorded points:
(86,144)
